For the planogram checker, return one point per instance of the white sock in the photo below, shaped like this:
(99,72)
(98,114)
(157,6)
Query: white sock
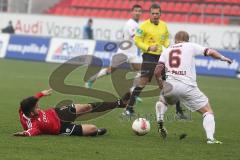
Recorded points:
(209,124)
(100,74)
(135,81)
(161,108)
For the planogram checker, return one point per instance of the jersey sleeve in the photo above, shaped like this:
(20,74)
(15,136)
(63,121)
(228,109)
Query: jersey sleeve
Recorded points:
(30,126)
(131,30)
(32,132)
(139,37)
(199,50)
(39,95)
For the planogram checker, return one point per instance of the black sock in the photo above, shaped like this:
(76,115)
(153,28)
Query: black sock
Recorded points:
(126,96)
(136,92)
(178,108)
(104,106)
(160,124)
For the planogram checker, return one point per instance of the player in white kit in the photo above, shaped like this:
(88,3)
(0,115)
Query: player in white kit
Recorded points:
(127,52)
(179,64)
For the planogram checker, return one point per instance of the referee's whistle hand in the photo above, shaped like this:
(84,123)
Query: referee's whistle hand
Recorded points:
(153,48)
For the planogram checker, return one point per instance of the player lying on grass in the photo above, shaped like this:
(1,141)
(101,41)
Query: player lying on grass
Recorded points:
(181,85)
(59,121)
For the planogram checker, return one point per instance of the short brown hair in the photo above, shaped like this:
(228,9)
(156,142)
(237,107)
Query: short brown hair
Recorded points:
(136,6)
(181,36)
(155,6)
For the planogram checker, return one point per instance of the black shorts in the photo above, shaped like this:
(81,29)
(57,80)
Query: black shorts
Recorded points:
(67,115)
(149,64)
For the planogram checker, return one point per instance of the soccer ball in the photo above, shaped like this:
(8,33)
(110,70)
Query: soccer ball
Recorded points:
(141,126)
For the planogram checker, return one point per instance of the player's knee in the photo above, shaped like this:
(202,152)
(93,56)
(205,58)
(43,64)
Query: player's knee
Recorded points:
(109,70)
(162,100)
(158,103)
(83,108)
(206,109)
(143,81)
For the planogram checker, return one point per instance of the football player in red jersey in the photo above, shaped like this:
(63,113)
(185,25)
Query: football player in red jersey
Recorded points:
(59,121)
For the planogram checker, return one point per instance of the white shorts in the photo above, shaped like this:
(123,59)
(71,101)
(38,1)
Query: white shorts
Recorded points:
(126,56)
(190,96)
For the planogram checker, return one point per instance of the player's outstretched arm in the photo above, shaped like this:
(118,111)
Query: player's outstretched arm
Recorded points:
(215,54)
(20,134)
(158,74)
(46,92)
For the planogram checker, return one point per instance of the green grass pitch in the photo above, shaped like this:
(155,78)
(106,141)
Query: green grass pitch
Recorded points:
(19,79)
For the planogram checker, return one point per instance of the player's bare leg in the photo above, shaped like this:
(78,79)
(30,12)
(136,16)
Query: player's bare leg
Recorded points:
(92,130)
(103,72)
(209,123)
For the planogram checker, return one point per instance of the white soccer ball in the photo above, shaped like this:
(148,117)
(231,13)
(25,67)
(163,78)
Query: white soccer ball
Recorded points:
(141,126)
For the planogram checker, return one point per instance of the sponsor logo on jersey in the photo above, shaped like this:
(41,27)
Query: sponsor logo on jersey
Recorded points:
(139,32)
(68,130)
(162,37)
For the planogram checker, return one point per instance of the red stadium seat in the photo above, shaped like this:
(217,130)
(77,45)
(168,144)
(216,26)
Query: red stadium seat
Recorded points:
(177,11)
(178,7)
(116,14)
(186,7)
(169,17)
(124,14)
(218,9)
(170,7)
(147,5)
(177,18)
(225,21)
(227,9)
(145,16)
(163,5)
(208,20)
(209,8)
(194,19)
(235,10)
(109,13)
(196,8)
(125,5)
(217,20)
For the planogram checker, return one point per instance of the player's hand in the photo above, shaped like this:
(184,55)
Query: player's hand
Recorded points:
(153,48)
(21,134)
(47,92)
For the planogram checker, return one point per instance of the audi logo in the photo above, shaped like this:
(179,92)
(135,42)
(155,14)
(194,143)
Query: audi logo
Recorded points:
(231,40)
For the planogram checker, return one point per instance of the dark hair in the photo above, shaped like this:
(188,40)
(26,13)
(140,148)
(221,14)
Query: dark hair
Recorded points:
(155,6)
(136,6)
(28,104)
(90,20)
